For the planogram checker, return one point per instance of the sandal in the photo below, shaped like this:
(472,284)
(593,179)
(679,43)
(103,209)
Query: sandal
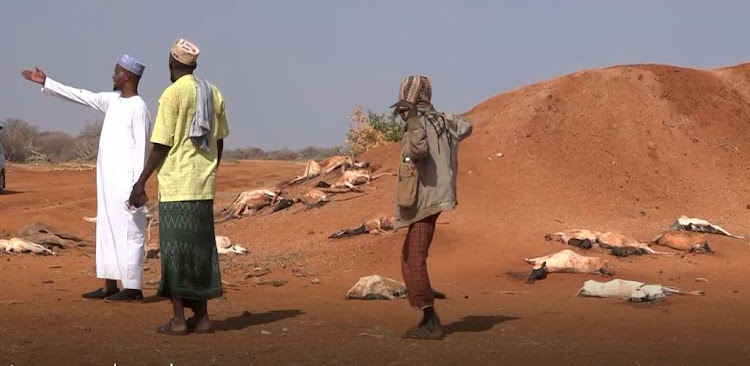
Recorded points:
(167,329)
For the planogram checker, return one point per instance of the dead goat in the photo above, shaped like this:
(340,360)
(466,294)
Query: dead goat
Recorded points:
(224,245)
(377,225)
(634,291)
(249,202)
(685,223)
(314,169)
(568,261)
(685,241)
(581,238)
(626,245)
(352,178)
(376,287)
(312,199)
(538,273)
(19,245)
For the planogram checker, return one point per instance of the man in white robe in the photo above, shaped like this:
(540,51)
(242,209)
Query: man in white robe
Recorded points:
(120,231)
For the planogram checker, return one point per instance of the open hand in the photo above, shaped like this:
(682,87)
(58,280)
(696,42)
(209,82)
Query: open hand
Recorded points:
(36,75)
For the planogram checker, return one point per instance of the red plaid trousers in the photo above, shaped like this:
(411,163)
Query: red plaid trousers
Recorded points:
(414,262)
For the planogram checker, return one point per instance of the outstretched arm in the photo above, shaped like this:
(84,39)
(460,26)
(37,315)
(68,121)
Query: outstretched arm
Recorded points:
(98,101)
(465,127)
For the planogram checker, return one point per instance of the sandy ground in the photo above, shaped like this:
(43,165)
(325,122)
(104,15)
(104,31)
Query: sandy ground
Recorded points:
(549,178)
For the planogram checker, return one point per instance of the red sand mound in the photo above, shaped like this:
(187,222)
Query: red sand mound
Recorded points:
(608,144)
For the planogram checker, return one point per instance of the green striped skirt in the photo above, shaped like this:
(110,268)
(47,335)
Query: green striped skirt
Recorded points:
(189,260)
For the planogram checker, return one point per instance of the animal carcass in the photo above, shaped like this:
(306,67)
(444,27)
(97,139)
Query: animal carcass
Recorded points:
(224,245)
(685,241)
(249,202)
(685,223)
(311,199)
(568,261)
(581,238)
(43,235)
(314,169)
(381,288)
(538,273)
(352,178)
(622,245)
(377,225)
(634,291)
(18,245)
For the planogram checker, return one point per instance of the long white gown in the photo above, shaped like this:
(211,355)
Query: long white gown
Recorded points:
(120,234)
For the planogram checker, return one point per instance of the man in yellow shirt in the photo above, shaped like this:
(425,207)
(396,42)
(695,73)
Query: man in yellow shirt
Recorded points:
(188,140)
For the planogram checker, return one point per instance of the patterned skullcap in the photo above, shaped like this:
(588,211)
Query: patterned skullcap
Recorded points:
(132,65)
(185,52)
(415,89)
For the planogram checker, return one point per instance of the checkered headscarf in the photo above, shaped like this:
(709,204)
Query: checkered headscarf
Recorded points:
(416,89)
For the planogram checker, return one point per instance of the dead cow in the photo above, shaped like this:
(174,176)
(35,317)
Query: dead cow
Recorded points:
(685,223)
(18,245)
(568,261)
(377,225)
(689,242)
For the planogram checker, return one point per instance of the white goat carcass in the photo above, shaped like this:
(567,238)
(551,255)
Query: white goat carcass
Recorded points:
(632,290)
(568,261)
(685,223)
(376,287)
(224,245)
(18,245)
(582,238)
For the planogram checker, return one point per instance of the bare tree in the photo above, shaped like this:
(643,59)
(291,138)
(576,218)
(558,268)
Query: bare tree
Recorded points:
(87,142)
(16,139)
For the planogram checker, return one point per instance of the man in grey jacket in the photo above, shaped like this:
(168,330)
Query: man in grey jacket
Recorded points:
(426,187)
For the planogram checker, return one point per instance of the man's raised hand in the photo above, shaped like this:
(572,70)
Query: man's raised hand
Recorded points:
(36,75)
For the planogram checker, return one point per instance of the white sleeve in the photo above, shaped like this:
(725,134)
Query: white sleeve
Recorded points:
(98,101)
(141,133)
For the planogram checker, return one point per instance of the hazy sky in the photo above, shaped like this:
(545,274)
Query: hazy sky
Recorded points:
(292,71)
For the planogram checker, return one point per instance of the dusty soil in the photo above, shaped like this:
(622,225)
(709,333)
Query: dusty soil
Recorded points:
(629,148)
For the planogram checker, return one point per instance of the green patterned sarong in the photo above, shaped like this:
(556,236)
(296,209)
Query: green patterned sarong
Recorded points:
(189,260)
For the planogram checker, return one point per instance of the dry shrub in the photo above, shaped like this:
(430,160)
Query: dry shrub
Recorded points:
(362,136)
